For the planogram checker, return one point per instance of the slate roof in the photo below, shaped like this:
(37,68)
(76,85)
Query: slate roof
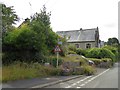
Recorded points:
(79,35)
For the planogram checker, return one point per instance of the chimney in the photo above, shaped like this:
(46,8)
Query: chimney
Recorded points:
(80,29)
(97,28)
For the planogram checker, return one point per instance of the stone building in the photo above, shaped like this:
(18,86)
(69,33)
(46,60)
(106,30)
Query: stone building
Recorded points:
(83,38)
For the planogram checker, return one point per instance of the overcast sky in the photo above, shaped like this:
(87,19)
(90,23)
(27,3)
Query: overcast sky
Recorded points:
(73,14)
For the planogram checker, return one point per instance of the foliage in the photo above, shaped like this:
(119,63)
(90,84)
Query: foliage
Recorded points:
(111,48)
(71,47)
(113,41)
(81,51)
(93,53)
(32,41)
(71,52)
(53,60)
(43,19)
(23,44)
(98,61)
(100,53)
(89,70)
(9,17)
(119,52)
(19,70)
(64,46)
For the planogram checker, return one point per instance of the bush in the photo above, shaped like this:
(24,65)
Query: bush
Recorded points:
(114,50)
(104,62)
(89,70)
(53,60)
(81,51)
(105,53)
(95,60)
(71,47)
(100,53)
(71,52)
(19,70)
(93,53)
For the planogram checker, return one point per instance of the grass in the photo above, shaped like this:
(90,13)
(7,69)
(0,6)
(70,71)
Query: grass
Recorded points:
(25,71)
(18,70)
(74,58)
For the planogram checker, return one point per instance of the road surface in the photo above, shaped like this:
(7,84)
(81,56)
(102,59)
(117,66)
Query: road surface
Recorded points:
(106,79)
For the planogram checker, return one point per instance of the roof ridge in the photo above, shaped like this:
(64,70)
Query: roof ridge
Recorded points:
(78,30)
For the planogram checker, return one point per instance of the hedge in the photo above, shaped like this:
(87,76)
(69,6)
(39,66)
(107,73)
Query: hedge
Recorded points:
(100,53)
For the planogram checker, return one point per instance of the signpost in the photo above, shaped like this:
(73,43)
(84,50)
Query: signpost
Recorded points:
(57,50)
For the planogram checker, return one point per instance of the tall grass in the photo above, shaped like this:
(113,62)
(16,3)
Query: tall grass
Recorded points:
(24,71)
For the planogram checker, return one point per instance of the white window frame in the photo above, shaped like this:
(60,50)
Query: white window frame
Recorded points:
(86,45)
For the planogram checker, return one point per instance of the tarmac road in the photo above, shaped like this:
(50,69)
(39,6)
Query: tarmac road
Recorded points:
(106,79)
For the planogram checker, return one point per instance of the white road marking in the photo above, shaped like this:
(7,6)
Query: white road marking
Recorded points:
(78,82)
(94,77)
(74,84)
(86,82)
(86,79)
(78,87)
(61,83)
(68,87)
(82,85)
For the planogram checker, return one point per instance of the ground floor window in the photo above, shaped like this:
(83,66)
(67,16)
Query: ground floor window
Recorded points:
(77,45)
(88,45)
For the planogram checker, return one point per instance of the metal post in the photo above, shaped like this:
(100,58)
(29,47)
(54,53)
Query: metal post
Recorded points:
(57,58)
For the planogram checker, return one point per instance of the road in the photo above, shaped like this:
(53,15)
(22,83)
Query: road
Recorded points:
(106,79)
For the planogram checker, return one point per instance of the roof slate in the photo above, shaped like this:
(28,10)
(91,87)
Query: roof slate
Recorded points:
(79,35)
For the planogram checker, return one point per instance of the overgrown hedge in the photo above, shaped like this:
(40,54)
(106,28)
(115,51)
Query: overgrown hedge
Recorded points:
(81,51)
(100,53)
(53,60)
(104,62)
(20,70)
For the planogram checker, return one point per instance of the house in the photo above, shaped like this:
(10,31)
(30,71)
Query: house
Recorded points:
(83,38)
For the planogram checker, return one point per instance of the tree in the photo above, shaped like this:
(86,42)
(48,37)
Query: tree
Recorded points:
(32,41)
(113,41)
(44,18)
(9,18)
(24,44)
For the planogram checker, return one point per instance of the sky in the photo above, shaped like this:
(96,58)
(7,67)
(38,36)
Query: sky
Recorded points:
(73,14)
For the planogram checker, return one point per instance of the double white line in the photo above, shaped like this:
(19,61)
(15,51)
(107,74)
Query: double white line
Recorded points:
(92,78)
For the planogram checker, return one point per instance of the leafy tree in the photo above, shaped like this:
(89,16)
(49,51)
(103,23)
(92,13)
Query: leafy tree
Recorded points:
(113,41)
(9,17)
(32,41)
(44,18)
(24,44)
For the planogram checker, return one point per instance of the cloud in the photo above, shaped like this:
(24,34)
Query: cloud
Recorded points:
(110,25)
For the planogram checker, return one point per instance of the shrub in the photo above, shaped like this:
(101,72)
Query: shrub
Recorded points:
(114,50)
(95,60)
(71,52)
(93,53)
(104,62)
(100,53)
(19,70)
(53,60)
(105,53)
(81,51)
(89,70)
(71,47)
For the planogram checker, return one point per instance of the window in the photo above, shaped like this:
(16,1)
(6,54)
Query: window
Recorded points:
(77,45)
(88,45)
